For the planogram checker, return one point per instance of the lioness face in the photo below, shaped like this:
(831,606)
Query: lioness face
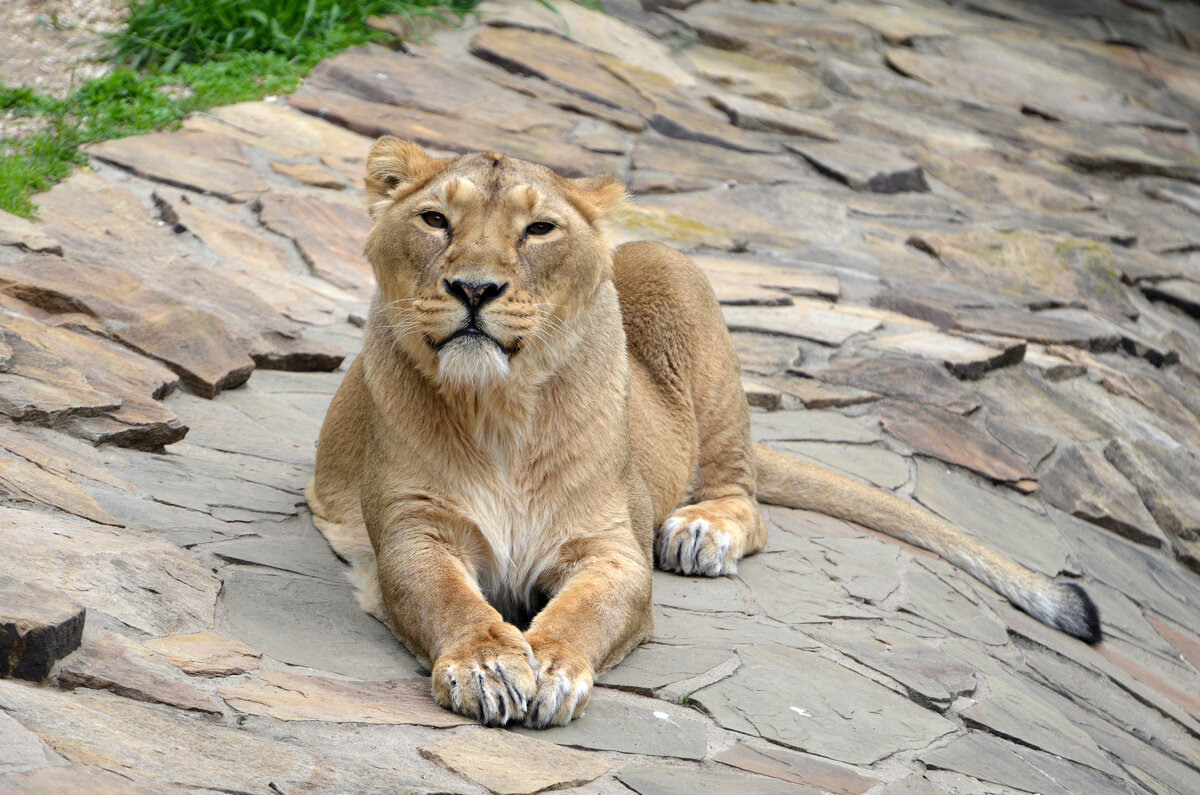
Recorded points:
(484,264)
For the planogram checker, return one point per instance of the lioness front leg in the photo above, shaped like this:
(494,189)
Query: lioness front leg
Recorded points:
(601,611)
(482,667)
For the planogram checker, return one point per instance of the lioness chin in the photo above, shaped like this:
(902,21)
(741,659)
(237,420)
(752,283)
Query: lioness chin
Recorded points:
(535,421)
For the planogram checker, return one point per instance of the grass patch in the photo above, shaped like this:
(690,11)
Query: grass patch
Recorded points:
(177,57)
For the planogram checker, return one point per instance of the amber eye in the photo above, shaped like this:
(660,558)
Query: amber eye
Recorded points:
(539,228)
(436,220)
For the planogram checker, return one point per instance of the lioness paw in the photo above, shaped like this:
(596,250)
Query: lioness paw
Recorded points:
(564,685)
(489,678)
(691,543)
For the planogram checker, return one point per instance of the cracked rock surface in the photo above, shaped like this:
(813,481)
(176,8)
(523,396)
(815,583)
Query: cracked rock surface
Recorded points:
(958,247)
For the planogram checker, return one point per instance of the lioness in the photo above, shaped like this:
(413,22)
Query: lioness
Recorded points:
(535,421)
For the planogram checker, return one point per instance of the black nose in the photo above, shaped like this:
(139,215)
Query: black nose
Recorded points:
(474,294)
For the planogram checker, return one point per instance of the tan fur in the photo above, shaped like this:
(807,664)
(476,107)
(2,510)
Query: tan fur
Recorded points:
(536,475)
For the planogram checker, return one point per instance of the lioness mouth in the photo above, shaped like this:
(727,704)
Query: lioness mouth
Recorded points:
(472,331)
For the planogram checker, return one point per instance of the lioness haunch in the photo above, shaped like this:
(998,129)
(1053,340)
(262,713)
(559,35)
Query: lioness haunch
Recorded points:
(535,421)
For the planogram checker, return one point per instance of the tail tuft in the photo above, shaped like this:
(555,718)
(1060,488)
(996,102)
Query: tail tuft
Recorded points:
(1077,614)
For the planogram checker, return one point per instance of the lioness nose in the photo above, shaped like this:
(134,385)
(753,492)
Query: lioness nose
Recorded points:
(474,294)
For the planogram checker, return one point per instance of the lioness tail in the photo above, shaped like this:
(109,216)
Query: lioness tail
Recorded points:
(785,481)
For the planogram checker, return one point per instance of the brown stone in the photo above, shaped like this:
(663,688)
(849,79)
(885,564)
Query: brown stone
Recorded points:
(289,696)
(329,236)
(115,663)
(1040,269)
(1079,481)
(25,235)
(22,480)
(83,780)
(752,114)
(207,162)
(280,130)
(148,583)
(895,24)
(455,135)
(506,763)
(864,166)
(787,765)
(905,379)
(964,358)
(760,395)
(308,174)
(189,341)
(38,627)
(1050,327)
(948,437)
(206,654)
(792,280)
(774,83)
(707,163)
(561,63)
(1165,480)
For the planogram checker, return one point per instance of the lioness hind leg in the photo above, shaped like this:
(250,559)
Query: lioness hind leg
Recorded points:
(710,537)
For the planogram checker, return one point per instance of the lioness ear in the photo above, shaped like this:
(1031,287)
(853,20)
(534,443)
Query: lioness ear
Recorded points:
(395,168)
(598,198)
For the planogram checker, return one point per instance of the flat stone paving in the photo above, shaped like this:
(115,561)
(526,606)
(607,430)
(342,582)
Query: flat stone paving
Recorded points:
(958,247)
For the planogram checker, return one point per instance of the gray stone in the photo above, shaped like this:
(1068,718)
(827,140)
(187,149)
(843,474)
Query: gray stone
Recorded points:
(791,590)
(38,627)
(871,463)
(949,437)
(20,749)
(991,759)
(206,654)
(934,591)
(805,702)
(1049,328)
(674,627)
(868,568)
(1081,482)
(813,426)
(652,666)
(631,725)
(807,320)
(1165,479)
(83,778)
(113,662)
(752,114)
(995,520)
(308,554)
(780,763)
(898,377)
(931,677)
(506,762)
(864,166)
(311,622)
(1013,710)
(702,594)
(647,780)
(964,358)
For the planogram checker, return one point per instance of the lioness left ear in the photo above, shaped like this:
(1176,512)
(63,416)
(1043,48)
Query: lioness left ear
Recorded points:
(598,198)
(396,163)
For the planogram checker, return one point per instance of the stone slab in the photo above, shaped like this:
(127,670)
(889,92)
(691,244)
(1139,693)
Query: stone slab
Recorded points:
(862,166)
(806,320)
(796,768)
(1081,482)
(113,662)
(631,725)
(513,764)
(964,358)
(803,701)
(145,582)
(314,623)
(291,696)
(648,780)
(653,666)
(898,377)
(951,438)
(20,749)
(206,654)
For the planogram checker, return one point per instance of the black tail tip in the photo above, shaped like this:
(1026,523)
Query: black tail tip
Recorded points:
(1078,615)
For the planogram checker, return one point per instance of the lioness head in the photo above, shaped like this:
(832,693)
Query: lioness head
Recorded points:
(484,263)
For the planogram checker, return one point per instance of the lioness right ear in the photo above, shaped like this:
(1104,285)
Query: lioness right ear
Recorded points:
(395,168)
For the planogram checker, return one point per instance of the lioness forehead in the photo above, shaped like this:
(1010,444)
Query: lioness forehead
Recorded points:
(491,177)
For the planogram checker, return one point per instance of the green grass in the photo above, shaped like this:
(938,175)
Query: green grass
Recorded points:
(177,57)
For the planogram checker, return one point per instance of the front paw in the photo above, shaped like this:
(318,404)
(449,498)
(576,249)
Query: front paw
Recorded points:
(489,677)
(564,684)
(691,543)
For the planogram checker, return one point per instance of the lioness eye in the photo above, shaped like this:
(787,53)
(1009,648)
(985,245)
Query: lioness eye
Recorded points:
(436,220)
(539,228)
